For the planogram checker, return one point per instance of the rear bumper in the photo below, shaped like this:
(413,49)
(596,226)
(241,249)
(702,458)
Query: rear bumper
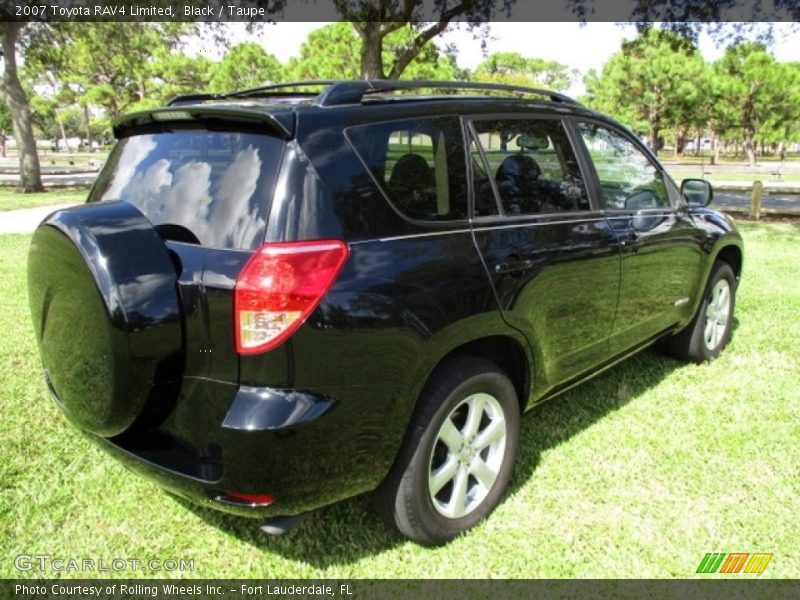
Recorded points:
(307,449)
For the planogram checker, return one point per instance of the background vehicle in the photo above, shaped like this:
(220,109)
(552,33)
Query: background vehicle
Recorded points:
(278,298)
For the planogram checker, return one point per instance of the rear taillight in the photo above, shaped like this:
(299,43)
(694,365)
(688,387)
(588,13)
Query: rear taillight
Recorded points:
(279,287)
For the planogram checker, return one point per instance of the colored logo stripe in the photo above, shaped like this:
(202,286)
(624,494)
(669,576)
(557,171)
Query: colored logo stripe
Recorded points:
(734,563)
(710,563)
(758,563)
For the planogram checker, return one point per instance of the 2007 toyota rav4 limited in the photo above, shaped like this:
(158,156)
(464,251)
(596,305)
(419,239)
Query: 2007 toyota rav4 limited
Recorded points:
(278,298)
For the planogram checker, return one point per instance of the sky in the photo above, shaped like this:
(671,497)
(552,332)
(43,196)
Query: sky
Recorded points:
(579,47)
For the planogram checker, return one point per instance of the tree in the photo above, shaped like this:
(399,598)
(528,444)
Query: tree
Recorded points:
(763,91)
(174,74)
(246,65)
(113,65)
(14,96)
(654,83)
(375,21)
(514,69)
(783,123)
(719,116)
(332,52)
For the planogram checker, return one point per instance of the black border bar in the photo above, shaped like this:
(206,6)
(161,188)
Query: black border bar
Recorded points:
(400,10)
(710,587)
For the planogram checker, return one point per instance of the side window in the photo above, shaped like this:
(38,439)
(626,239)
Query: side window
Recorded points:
(419,165)
(628,178)
(531,165)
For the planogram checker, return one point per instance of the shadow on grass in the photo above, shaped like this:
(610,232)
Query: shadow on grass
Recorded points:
(348,531)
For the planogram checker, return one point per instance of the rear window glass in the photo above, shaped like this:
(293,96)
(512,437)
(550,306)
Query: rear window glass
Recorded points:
(212,186)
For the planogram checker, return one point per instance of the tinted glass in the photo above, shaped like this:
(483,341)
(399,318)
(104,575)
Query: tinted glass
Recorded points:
(419,165)
(628,178)
(531,165)
(213,186)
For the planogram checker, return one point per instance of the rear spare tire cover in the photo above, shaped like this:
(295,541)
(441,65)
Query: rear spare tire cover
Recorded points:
(104,301)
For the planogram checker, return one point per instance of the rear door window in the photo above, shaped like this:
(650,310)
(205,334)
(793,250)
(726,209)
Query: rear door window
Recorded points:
(419,165)
(210,187)
(529,164)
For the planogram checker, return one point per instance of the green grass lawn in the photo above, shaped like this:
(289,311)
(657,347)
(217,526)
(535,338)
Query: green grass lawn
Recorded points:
(636,474)
(11,200)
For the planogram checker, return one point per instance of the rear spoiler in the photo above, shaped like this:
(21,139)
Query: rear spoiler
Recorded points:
(281,123)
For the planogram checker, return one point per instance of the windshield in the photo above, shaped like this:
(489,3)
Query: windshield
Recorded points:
(214,184)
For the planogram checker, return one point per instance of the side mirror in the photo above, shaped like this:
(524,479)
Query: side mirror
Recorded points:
(698,192)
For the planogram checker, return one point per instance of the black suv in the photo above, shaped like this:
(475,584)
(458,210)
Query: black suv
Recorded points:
(278,298)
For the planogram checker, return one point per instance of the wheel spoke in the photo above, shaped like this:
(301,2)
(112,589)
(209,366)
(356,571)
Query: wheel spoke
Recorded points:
(483,473)
(458,499)
(709,331)
(723,299)
(443,474)
(451,436)
(710,311)
(718,314)
(476,406)
(494,431)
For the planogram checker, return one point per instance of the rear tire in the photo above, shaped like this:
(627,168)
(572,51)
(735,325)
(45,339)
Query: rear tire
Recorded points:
(708,333)
(458,455)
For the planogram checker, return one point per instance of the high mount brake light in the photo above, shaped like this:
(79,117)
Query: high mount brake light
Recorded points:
(279,287)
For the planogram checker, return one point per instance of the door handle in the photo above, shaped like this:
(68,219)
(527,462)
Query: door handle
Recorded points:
(631,241)
(513,265)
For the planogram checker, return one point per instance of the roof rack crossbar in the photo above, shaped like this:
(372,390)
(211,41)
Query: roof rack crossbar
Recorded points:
(353,92)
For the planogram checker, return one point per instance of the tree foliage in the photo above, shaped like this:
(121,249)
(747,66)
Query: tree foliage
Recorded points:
(655,83)
(514,69)
(246,65)
(113,65)
(332,52)
(762,93)
(374,22)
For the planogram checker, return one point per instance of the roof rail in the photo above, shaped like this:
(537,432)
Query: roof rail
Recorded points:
(337,93)
(353,92)
(277,89)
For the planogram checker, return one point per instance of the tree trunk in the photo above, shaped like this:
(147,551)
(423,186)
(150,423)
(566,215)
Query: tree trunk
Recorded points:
(3,143)
(715,144)
(371,44)
(749,146)
(653,141)
(63,132)
(30,179)
(654,118)
(680,141)
(749,130)
(88,127)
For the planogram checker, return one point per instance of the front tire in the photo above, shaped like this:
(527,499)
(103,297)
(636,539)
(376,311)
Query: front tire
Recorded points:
(457,459)
(710,330)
